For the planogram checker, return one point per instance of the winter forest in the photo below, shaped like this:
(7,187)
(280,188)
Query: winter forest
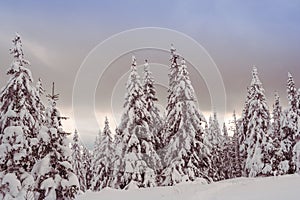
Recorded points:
(39,160)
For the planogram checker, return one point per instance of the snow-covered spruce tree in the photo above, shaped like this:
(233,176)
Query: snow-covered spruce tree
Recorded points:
(136,161)
(150,98)
(277,115)
(215,138)
(215,135)
(39,92)
(102,162)
(277,155)
(96,150)
(227,156)
(77,162)
(242,131)
(167,134)
(235,148)
(18,127)
(186,155)
(289,129)
(256,141)
(87,166)
(53,172)
(292,93)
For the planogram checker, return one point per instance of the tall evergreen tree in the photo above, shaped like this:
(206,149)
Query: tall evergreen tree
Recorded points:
(18,119)
(102,162)
(215,138)
(215,135)
(242,132)
(87,166)
(54,174)
(256,141)
(150,98)
(77,162)
(39,92)
(277,115)
(136,160)
(186,155)
(227,156)
(290,127)
(236,147)
(292,93)
(277,155)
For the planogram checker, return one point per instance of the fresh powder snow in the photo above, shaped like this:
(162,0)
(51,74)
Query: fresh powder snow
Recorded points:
(275,188)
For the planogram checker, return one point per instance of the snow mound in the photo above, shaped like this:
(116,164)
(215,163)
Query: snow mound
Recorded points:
(270,188)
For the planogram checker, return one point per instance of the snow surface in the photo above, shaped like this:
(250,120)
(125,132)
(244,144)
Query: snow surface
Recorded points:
(270,188)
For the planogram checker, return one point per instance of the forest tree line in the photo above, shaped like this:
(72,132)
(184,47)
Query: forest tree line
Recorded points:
(147,149)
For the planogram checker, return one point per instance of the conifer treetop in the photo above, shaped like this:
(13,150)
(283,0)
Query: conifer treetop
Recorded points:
(53,96)
(292,93)
(174,55)
(17,49)
(146,65)
(133,58)
(106,130)
(255,79)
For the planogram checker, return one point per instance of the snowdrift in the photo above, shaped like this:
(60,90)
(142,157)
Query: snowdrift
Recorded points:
(270,188)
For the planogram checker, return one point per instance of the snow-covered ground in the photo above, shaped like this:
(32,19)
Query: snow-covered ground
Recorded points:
(271,188)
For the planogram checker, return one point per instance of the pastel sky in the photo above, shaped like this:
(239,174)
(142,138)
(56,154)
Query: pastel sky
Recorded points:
(58,35)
